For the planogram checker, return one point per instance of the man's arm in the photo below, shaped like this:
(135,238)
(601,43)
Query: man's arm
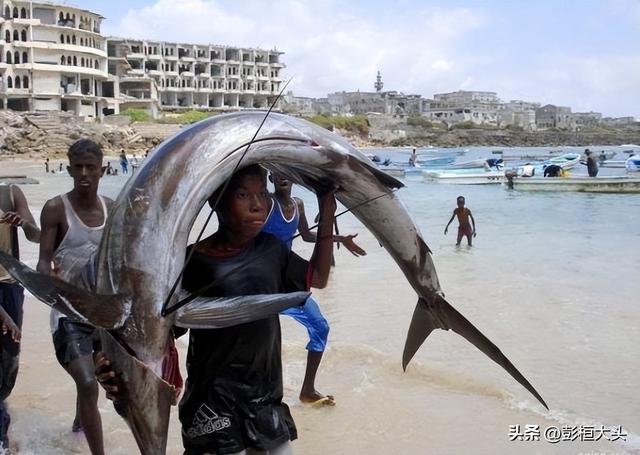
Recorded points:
(21,216)
(50,222)
(446,229)
(473,222)
(308,236)
(321,259)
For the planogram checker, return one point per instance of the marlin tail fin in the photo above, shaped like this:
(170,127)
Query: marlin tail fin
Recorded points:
(441,315)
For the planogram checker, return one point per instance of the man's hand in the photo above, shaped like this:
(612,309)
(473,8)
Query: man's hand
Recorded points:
(474,233)
(446,230)
(12,218)
(349,244)
(8,326)
(107,378)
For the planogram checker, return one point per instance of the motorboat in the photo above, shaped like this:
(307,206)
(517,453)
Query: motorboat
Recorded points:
(632,164)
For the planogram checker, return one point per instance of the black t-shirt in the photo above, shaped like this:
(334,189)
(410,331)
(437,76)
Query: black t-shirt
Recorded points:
(233,393)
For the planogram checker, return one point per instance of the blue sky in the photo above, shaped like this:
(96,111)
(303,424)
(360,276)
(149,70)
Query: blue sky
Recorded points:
(582,54)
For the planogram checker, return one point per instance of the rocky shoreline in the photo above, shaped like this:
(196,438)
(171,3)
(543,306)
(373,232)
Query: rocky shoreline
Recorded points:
(35,136)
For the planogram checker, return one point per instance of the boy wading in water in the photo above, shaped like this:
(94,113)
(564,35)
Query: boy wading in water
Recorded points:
(464,228)
(232,402)
(72,226)
(286,216)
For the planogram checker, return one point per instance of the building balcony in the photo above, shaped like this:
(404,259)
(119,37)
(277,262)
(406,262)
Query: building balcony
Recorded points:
(277,65)
(172,58)
(136,72)
(16,91)
(135,56)
(261,63)
(187,59)
(154,57)
(187,74)
(262,78)
(249,91)
(154,72)
(203,75)
(219,60)
(233,76)
(171,73)
(205,90)
(233,61)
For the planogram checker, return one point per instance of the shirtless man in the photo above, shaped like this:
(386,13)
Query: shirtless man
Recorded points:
(286,216)
(72,226)
(464,228)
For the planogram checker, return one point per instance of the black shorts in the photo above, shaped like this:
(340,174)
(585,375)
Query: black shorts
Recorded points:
(73,340)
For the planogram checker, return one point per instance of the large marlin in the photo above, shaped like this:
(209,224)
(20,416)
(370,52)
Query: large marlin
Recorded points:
(143,251)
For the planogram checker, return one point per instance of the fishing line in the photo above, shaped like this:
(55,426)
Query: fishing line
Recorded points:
(205,288)
(165,308)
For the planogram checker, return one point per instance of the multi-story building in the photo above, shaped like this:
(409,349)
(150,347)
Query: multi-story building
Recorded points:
(463,106)
(52,58)
(620,121)
(550,116)
(194,76)
(518,113)
(586,119)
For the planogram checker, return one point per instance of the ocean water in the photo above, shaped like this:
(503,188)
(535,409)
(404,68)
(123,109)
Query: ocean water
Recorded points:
(552,279)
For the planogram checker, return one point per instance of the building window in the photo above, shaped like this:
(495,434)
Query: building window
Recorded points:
(69,60)
(73,39)
(23,35)
(61,17)
(62,39)
(15,12)
(96,65)
(81,41)
(7,36)
(25,57)
(62,60)
(18,84)
(7,12)
(8,57)
(75,61)
(9,82)
(82,61)
(16,35)
(68,39)
(16,57)
(23,13)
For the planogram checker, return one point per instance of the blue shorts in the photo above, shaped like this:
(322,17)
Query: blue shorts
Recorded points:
(309,315)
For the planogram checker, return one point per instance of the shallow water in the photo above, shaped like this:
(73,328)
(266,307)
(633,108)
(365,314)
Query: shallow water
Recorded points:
(552,279)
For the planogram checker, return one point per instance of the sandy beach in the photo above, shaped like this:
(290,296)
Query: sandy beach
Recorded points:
(552,280)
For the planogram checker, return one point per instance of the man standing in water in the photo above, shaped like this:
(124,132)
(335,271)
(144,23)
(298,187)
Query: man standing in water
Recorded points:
(286,216)
(464,227)
(14,213)
(592,164)
(72,226)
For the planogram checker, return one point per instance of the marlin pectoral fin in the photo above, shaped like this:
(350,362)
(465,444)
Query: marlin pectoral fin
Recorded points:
(219,312)
(146,399)
(441,315)
(106,311)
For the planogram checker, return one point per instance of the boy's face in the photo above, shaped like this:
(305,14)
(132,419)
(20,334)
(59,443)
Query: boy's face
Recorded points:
(461,202)
(280,182)
(245,206)
(86,170)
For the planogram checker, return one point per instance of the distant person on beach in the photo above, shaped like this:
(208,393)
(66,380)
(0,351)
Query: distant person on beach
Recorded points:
(46,165)
(124,162)
(464,227)
(592,164)
(602,157)
(60,167)
(134,164)
(14,214)
(235,373)
(552,170)
(286,216)
(413,158)
(72,226)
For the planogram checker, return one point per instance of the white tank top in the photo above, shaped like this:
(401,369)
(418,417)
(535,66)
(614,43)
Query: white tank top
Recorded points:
(75,255)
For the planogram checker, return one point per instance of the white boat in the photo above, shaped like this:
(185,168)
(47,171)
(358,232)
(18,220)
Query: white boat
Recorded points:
(618,184)
(632,164)
(465,178)
(565,161)
(434,161)
(396,171)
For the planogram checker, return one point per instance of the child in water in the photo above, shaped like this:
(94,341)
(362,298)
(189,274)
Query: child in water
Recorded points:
(464,228)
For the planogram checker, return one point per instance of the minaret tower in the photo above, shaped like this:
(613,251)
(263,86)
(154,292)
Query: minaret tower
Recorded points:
(379,84)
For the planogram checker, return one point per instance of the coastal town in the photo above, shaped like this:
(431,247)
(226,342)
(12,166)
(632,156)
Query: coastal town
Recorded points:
(56,67)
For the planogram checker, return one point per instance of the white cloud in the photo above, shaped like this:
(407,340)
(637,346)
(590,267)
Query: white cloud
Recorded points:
(331,45)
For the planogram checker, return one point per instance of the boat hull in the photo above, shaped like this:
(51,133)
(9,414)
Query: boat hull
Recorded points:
(579,184)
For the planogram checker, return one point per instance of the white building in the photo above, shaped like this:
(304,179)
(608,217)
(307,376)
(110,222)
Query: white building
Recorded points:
(194,76)
(463,106)
(518,113)
(53,58)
